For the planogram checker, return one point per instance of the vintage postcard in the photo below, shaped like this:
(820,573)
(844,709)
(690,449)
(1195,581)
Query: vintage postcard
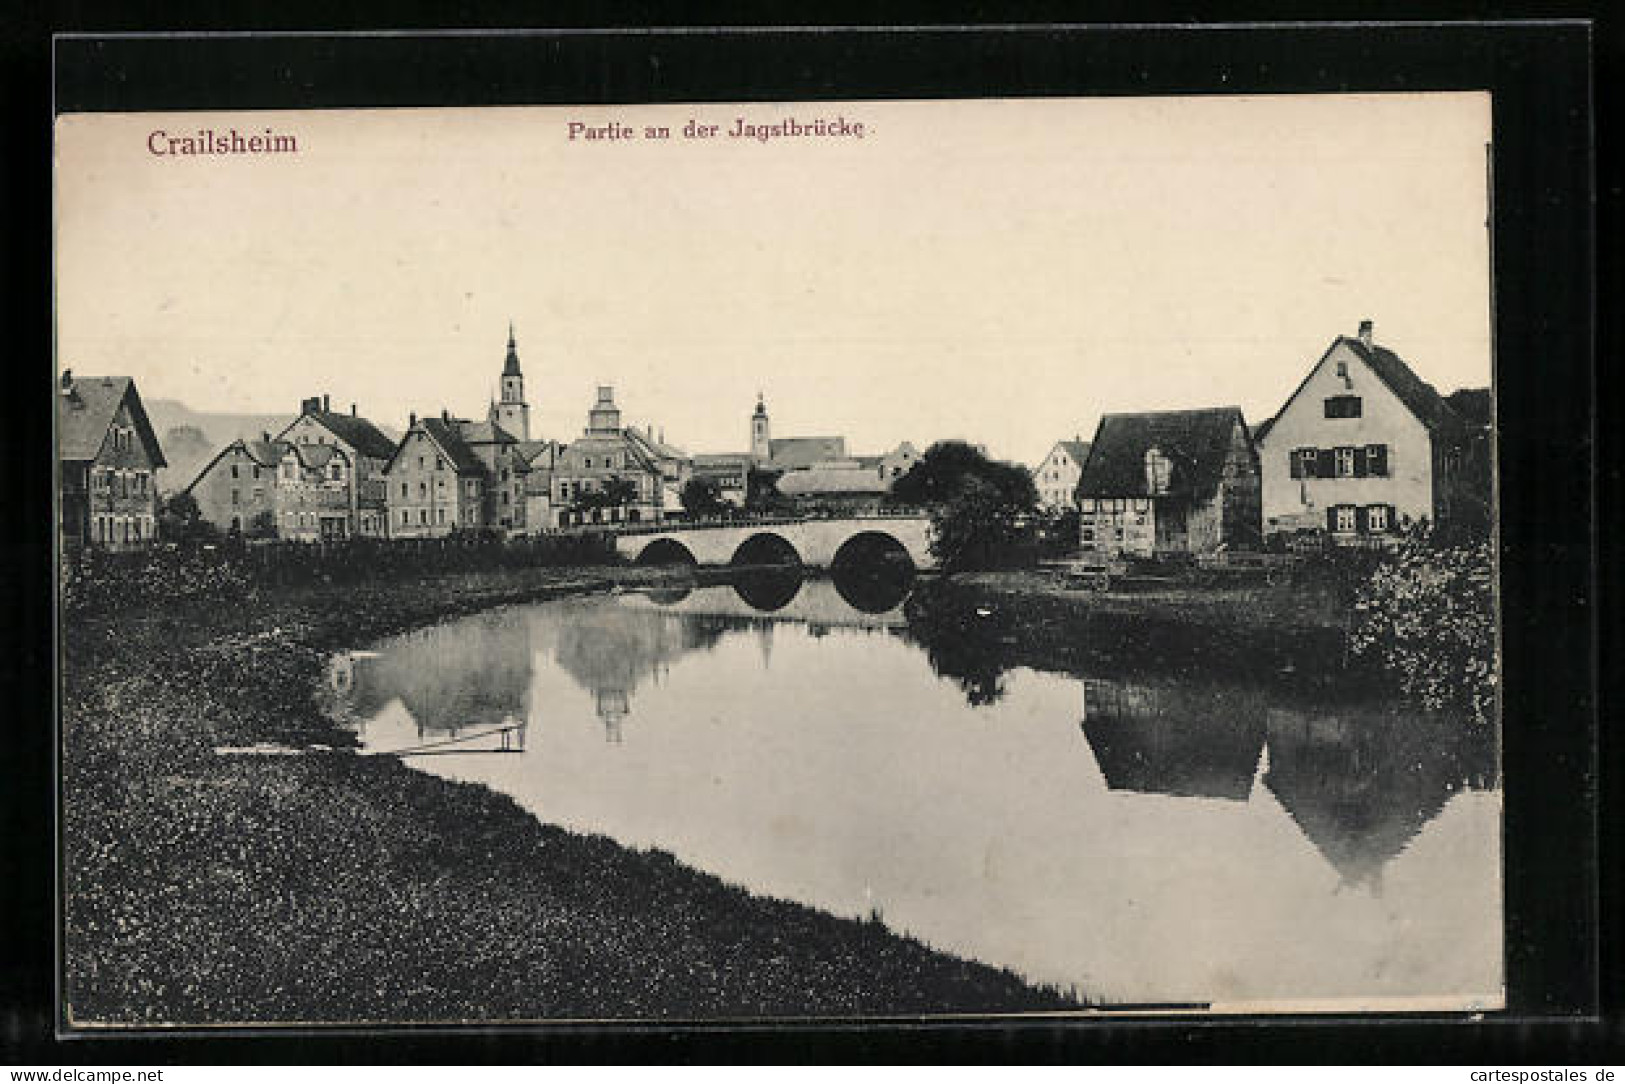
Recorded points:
(719,562)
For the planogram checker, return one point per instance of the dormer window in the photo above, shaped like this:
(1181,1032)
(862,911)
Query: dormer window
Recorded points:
(1343,406)
(1158,470)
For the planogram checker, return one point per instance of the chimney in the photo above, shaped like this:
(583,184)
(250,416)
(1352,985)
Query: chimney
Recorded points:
(325,407)
(445,415)
(411,419)
(67,380)
(352,410)
(265,435)
(1365,333)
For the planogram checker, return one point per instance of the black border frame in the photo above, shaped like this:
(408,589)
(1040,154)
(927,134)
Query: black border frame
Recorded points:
(1545,262)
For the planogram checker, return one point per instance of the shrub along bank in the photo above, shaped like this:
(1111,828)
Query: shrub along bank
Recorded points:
(204,888)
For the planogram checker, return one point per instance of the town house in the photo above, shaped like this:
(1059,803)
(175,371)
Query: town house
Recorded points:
(1362,447)
(610,457)
(436,482)
(365,451)
(1169,483)
(1056,478)
(106,453)
(278,489)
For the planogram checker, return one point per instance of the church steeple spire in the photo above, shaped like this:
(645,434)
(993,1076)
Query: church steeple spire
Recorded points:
(511,411)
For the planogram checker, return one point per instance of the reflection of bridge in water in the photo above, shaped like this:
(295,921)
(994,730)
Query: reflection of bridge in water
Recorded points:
(785,595)
(815,543)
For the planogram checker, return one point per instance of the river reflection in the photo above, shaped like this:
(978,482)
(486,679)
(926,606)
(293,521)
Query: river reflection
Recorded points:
(1140,839)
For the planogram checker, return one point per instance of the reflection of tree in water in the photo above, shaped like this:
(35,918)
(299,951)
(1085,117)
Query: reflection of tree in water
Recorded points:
(1361,784)
(611,650)
(971,645)
(1179,739)
(476,673)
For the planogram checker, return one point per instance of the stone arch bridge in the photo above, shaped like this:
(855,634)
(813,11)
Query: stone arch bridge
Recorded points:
(815,543)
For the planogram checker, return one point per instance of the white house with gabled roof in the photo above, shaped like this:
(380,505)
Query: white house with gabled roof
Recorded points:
(1361,448)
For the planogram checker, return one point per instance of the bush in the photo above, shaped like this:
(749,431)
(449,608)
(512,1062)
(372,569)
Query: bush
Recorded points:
(1428,618)
(101,581)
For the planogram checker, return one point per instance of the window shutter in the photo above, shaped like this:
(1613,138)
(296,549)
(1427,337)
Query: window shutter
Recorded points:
(1326,463)
(1331,519)
(1295,462)
(1378,454)
(1361,520)
(1393,518)
(1361,467)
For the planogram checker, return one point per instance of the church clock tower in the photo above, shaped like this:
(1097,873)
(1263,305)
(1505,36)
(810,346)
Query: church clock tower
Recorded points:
(512,412)
(761,443)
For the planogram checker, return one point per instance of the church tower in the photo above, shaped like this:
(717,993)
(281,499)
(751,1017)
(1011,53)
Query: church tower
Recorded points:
(511,411)
(761,443)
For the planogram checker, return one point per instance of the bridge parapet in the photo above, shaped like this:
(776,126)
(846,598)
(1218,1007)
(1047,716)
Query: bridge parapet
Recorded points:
(816,541)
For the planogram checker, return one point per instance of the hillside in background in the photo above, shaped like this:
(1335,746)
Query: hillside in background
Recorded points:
(190,438)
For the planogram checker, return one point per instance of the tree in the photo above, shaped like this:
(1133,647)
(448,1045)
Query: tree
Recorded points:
(941,473)
(980,508)
(261,524)
(702,498)
(612,493)
(976,526)
(762,492)
(180,520)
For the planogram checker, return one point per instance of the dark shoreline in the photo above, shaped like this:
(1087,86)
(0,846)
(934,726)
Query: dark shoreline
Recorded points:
(202,889)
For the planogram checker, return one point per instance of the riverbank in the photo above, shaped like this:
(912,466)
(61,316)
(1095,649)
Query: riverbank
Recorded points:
(1285,632)
(210,889)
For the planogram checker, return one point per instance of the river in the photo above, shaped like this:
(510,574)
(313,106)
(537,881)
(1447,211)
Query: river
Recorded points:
(1143,841)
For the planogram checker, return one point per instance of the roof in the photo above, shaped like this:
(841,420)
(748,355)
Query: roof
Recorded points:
(1472,405)
(724,459)
(658,448)
(316,455)
(1262,429)
(510,364)
(267,453)
(1417,394)
(793,452)
(486,432)
(354,430)
(1187,758)
(1077,449)
(1197,441)
(1419,397)
(86,408)
(814,481)
(533,450)
(445,434)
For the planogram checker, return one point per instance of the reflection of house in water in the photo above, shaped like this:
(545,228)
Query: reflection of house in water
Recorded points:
(611,650)
(1362,784)
(477,677)
(1187,741)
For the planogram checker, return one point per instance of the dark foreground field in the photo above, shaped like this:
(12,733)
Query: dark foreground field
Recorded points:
(206,889)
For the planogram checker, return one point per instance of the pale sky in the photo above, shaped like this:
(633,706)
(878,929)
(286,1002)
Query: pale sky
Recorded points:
(1004,271)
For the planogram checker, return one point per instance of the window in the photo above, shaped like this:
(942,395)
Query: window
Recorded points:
(1118,534)
(1141,504)
(1345,462)
(1343,406)
(589,462)
(1088,534)
(420,462)
(234,470)
(403,491)
(1376,518)
(423,491)
(1087,504)
(406,517)
(440,515)
(236,497)
(439,463)
(1376,459)
(1345,518)
(1304,462)
(423,515)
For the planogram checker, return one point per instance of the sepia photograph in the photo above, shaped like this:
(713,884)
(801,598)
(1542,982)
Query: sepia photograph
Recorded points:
(837,560)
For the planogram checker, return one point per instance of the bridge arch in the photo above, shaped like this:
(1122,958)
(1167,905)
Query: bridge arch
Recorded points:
(766,548)
(666,551)
(873,549)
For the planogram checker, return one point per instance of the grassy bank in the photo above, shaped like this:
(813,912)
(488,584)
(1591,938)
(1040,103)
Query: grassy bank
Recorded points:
(211,889)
